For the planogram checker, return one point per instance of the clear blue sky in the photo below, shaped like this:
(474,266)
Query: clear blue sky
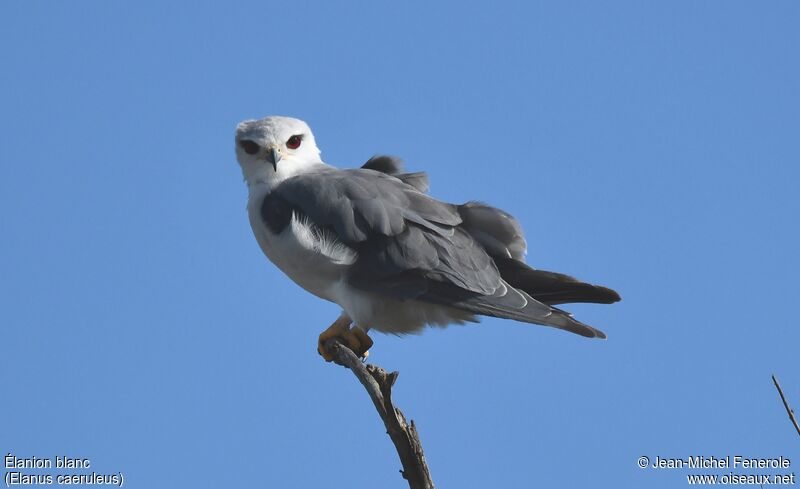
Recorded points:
(649,146)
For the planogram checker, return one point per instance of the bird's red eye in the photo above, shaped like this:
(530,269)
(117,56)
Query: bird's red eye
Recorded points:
(294,141)
(249,147)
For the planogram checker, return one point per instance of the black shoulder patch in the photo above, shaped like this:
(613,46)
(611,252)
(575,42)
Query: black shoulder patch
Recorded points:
(276,212)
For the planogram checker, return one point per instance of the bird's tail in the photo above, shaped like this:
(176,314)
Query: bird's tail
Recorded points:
(552,288)
(509,302)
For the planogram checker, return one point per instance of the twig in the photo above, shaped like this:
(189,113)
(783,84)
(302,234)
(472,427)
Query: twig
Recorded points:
(378,384)
(786,404)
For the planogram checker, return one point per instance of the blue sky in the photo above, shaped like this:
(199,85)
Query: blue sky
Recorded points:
(648,146)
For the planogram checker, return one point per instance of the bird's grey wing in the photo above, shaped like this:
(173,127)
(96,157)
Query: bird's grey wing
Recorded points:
(451,271)
(395,229)
(361,203)
(409,245)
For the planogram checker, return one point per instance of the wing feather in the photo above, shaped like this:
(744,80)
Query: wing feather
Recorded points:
(411,246)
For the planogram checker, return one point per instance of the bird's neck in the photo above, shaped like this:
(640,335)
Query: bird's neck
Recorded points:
(264,178)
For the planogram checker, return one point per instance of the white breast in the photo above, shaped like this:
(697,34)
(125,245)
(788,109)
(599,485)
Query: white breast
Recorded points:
(309,256)
(316,261)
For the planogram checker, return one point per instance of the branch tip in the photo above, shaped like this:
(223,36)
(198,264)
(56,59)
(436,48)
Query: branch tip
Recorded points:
(378,384)
(788,408)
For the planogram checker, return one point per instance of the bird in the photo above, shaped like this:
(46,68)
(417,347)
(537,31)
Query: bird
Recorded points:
(396,260)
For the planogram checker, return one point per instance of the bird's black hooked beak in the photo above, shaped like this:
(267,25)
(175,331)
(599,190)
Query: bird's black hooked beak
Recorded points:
(273,156)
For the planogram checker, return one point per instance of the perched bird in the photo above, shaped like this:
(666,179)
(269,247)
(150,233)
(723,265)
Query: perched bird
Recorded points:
(395,259)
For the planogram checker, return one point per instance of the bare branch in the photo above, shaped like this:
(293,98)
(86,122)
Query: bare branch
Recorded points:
(378,384)
(786,404)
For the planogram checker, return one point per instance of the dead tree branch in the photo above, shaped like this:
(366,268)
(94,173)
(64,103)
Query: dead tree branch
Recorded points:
(378,384)
(789,410)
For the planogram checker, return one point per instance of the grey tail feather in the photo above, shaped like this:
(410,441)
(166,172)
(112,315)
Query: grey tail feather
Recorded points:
(507,305)
(557,319)
(550,287)
(564,320)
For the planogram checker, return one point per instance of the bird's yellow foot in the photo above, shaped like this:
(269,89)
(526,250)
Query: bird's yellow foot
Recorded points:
(355,338)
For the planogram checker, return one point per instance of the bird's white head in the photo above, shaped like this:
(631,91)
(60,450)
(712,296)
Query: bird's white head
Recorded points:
(274,148)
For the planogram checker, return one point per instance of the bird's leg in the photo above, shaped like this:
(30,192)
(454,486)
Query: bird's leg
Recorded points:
(355,338)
